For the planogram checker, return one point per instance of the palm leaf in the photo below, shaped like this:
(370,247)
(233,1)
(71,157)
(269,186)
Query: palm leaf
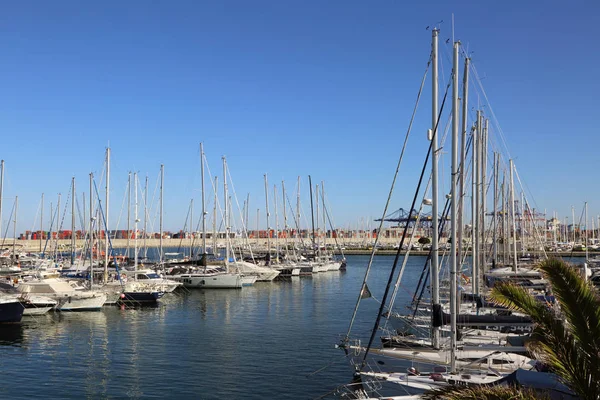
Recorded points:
(483,393)
(571,347)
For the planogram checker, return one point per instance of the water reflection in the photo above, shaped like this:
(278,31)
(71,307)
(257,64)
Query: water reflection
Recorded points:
(11,335)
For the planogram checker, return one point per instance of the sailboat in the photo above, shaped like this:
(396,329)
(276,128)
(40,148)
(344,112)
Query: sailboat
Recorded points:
(213,277)
(455,357)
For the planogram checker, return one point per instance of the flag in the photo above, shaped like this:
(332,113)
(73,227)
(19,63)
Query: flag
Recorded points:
(365,292)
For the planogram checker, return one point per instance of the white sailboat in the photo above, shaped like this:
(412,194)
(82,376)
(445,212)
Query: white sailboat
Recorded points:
(212,277)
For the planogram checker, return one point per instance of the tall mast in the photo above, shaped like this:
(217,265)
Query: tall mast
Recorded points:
(58,224)
(91,231)
(215,200)
(247,212)
(225,196)
(495,212)
(41,218)
(512,207)
(135,223)
(15,228)
(505,230)
(312,216)
(285,222)
(146,217)
(162,180)
(107,232)
(73,221)
(524,227)
(191,228)
(276,224)
(586,238)
(463,158)
(478,221)
(474,208)
(268,256)
(318,239)
(573,223)
(128,212)
(435,295)
(454,211)
(297,214)
(324,215)
(203,201)
(483,199)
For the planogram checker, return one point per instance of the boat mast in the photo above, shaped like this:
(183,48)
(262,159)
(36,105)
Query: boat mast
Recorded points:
(91,232)
(585,220)
(135,224)
(476,210)
(512,206)
(146,217)
(434,184)
(41,217)
(15,229)
(483,200)
(454,211)
(268,256)
(215,199)
(297,236)
(73,221)
(463,157)
(573,223)
(324,215)
(495,214)
(225,213)
(128,212)
(285,221)
(191,228)
(58,226)
(276,225)
(247,213)
(505,230)
(312,218)
(160,242)
(318,238)
(107,232)
(203,205)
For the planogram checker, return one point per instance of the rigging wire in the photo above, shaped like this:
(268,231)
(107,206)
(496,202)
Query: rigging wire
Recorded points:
(370,264)
(395,265)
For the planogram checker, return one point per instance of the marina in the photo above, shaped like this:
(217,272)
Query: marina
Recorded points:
(325,200)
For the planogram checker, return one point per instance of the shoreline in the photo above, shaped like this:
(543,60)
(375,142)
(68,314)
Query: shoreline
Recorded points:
(34,246)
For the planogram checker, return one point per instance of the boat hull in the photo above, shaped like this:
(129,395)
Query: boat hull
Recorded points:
(11,311)
(211,281)
(82,303)
(140,297)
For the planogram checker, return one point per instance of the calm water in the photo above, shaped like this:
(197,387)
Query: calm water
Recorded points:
(265,341)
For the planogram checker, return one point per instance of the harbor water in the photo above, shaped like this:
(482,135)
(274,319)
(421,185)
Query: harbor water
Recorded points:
(273,340)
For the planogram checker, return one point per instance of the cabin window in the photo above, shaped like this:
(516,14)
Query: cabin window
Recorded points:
(497,361)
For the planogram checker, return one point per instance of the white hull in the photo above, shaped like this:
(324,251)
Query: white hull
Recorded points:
(464,358)
(211,281)
(66,296)
(263,274)
(89,302)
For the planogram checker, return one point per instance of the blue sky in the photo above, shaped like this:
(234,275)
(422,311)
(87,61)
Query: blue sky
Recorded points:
(285,88)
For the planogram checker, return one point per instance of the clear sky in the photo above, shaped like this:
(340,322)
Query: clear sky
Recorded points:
(286,88)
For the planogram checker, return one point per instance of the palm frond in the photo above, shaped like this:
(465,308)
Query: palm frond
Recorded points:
(483,393)
(570,345)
